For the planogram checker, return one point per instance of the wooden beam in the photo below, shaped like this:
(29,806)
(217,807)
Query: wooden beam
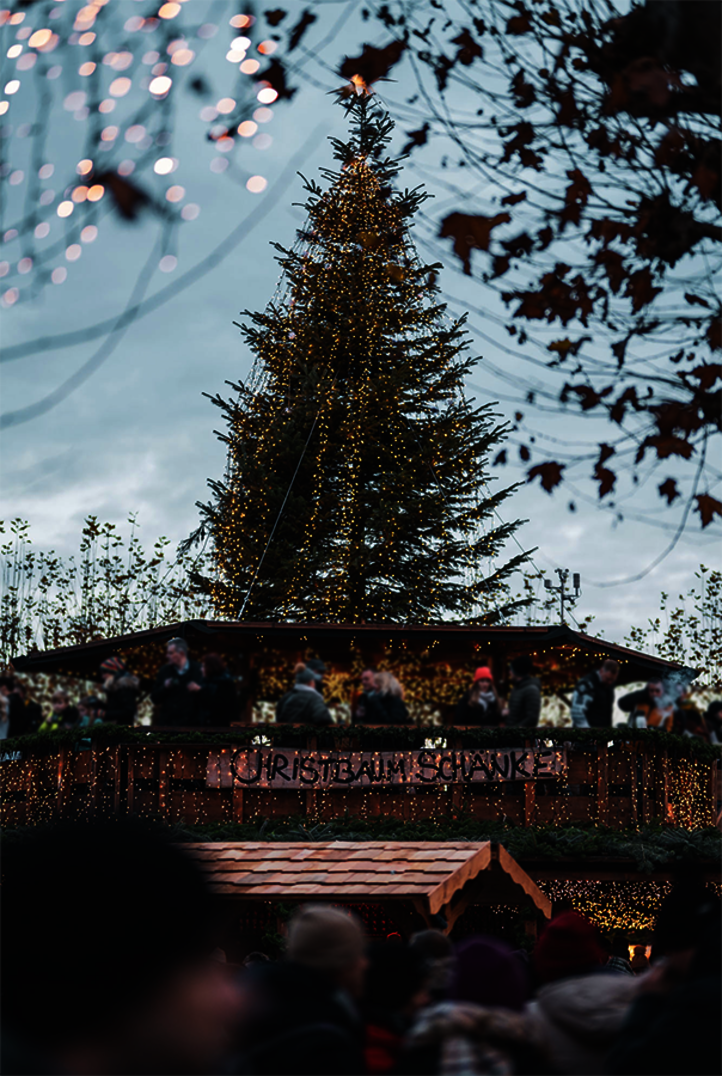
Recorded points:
(522,879)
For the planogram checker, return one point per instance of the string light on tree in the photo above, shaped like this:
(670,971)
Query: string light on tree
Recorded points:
(356,464)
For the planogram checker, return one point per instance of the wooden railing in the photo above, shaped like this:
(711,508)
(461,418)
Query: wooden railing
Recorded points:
(616,783)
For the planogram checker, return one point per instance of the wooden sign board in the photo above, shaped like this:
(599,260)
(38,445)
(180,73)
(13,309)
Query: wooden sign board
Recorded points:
(274,767)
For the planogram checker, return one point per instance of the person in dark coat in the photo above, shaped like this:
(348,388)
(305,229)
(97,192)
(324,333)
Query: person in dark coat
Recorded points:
(364,706)
(121,692)
(218,702)
(134,989)
(389,701)
(593,698)
(480,704)
(24,715)
(303,1018)
(303,705)
(174,703)
(395,991)
(525,698)
(713,721)
(674,1023)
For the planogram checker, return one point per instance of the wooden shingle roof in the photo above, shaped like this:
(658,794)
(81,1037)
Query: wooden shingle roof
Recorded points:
(429,872)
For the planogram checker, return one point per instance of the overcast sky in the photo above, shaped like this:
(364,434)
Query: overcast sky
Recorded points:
(137,436)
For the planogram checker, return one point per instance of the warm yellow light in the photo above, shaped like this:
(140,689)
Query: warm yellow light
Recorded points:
(65,209)
(225,105)
(247,128)
(96,192)
(168,11)
(86,69)
(183,57)
(40,38)
(80,194)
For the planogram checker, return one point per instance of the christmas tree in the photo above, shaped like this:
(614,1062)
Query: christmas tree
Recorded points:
(356,486)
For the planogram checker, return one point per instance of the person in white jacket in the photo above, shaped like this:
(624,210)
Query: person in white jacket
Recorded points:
(580,1005)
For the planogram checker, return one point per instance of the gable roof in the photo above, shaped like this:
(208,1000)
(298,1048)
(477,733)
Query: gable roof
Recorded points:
(436,873)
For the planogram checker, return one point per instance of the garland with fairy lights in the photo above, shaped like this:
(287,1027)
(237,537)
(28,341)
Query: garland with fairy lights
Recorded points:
(355,486)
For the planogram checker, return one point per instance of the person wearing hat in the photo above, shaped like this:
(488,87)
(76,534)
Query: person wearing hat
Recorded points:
(303,704)
(121,691)
(580,1004)
(480,704)
(303,1017)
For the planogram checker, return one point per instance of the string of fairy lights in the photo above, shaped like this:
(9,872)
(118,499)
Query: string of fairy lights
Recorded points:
(181,783)
(104,83)
(357,304)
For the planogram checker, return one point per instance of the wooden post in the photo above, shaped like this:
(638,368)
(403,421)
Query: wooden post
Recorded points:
(163,783)
(632,749)
(62,776)
(646,799)
(130,796)
(237,802)
(529,797)
(116,779)
(667,808)
(311,796)
(457,789)
(93,783)
(714,790)
(602,785)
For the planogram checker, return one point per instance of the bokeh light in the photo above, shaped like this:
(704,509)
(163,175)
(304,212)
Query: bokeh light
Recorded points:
(59,275)
(4,106)
(80,194)
(167,263)
(12,86)
(135,133)
(119,87)
(225,105)
(89,233)
(86,69)
(175,193)
(267,95)
(65,209)
(183,57)
(263,115)
(40,38)
(73,252)
(256,184)
(126,168)
(190,211)
(83,167)
(247,128)
(11,296)
(96,192)
(160,86)
(42,229)
(4,268)
(169,11)
(249,67)
(165,165)
(16,177)
(25,265)
(109,134)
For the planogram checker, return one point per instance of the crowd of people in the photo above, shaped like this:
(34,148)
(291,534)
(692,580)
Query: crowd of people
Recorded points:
(140,985)
(185,693)
(203,693)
